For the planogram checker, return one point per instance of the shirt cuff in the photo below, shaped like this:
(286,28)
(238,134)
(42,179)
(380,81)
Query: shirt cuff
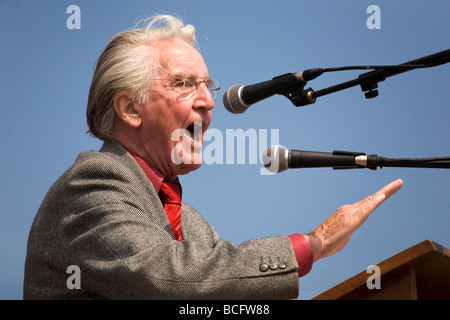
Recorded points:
(303,253)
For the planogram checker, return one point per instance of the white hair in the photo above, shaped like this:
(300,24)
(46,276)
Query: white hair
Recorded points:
(129,63)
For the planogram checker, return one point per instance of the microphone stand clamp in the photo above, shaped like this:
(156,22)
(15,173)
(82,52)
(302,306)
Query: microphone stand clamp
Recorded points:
(301,97)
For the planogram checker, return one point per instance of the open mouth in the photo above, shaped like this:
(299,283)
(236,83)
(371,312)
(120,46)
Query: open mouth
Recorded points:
(195,131)
(188,144)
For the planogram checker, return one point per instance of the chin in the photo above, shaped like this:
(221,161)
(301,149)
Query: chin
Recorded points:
(185,161)
(183,168)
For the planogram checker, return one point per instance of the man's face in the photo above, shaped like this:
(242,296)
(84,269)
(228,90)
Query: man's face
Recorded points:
(174,120)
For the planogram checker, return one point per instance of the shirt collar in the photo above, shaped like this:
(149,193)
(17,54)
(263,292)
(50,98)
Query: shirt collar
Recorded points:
(153,174)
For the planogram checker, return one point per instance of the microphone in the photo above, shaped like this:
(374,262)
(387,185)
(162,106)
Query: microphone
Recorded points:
(277,159)
(238,98)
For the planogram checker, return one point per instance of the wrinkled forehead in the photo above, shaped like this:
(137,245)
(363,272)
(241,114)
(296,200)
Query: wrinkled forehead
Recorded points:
(178,57)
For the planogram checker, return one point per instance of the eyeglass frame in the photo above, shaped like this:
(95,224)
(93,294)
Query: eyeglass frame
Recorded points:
(183,78)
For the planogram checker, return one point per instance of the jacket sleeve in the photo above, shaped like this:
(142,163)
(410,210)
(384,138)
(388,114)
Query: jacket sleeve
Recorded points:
(104,218)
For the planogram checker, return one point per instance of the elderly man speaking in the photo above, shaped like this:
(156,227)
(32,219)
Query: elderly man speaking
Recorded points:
(117,214)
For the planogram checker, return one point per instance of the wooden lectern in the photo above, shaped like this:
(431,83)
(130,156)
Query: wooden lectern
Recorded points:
(421,272)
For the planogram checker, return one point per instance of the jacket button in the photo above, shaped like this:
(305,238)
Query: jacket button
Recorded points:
(273,266)
(263,267)
(282,265)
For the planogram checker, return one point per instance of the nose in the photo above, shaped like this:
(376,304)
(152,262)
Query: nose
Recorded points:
(203,98)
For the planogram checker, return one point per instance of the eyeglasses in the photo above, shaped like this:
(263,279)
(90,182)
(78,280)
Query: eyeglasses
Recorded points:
(187,85)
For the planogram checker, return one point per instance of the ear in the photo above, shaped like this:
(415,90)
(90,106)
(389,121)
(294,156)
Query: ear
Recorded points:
(127,109)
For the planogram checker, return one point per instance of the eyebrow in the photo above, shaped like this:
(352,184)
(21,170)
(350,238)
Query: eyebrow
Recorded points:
(187,75)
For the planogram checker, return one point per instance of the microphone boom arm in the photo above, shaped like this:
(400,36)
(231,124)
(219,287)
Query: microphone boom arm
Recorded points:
(368,81)
(373,161)
(361,160)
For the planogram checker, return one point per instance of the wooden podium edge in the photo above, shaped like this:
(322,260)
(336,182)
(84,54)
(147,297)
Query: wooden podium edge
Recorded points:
(356,285)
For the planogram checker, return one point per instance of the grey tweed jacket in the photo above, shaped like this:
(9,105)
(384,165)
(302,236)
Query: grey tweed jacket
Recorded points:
(104,216)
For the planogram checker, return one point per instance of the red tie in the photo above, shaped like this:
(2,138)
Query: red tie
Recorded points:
(170,195)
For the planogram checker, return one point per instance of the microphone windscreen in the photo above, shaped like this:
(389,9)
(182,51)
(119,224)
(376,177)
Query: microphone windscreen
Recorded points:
(275,158)
(232,102)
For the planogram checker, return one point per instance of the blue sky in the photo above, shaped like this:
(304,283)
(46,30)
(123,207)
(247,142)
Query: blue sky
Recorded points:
(46,69)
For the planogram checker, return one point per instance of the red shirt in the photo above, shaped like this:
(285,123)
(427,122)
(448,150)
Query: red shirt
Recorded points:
(301,247)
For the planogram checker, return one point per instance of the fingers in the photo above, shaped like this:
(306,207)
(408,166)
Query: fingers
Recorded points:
(387,191)
(384,193)
(393,187)
(366,206)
